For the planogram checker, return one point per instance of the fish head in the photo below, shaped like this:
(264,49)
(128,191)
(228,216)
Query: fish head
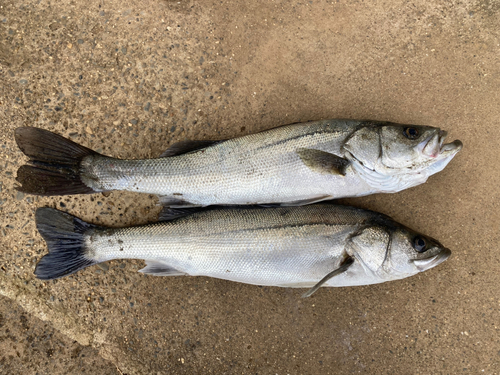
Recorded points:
(412,252)
(390,149)
(394,252)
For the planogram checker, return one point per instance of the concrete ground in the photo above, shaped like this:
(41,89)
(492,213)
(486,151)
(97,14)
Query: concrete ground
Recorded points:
(127,78)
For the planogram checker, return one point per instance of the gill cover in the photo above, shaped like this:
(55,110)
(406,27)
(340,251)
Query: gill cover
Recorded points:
(364,145)
(370,247)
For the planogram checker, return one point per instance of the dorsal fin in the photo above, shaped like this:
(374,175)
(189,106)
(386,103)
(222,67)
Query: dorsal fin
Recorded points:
(184,147)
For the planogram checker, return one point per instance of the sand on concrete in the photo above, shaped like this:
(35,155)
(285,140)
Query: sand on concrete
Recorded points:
(129,78)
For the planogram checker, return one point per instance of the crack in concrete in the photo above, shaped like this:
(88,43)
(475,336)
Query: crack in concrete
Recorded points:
(67,322)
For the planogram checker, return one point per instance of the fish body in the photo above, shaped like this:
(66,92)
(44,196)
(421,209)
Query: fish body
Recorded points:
(293,165)
(284,246)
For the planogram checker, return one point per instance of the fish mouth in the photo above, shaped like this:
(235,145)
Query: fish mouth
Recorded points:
(425,264)
(434,146)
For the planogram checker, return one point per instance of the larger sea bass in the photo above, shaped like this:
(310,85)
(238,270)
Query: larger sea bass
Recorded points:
(299,247)
(295,164)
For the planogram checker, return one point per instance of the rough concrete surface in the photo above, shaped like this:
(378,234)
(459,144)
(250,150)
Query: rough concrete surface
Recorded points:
(128,78)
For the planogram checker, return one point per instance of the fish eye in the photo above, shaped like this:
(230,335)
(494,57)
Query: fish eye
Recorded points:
(419,244)
(411,133)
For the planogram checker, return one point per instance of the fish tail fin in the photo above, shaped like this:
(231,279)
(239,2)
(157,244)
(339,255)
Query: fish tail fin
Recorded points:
(64,235)
(54,165)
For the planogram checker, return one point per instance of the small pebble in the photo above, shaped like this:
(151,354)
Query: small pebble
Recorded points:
(19,195)
(103,266)
(23,81)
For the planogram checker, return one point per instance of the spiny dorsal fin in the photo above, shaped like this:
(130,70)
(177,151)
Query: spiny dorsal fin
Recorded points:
(184,147)
(323,162)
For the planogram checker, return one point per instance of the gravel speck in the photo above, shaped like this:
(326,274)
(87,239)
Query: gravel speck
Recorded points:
(23,81)
(19,195)
(103,266)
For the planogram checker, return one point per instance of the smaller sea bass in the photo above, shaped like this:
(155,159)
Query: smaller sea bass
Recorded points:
(293,165)
(300,247)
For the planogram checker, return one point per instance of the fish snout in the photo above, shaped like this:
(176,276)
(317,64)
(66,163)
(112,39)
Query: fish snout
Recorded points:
(435,145)
(454,146)
(428,263)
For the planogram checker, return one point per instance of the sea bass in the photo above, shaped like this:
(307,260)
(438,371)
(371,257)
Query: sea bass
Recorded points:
(293,165)
(301,247)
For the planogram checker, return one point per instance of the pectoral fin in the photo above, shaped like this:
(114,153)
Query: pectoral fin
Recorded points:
(343,267)
(323,162)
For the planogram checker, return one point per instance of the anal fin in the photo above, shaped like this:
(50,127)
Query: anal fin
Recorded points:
(172,201)
(157,268)
(303,202)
